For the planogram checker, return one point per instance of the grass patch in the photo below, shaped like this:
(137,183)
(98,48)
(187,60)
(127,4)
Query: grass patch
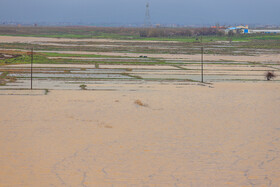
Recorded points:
(47,91)
(4,78)
(211,39)
(78,55)
(132,76)
(26,59)
(74,61)
(179,67)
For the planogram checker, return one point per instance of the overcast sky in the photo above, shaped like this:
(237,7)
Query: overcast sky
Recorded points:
(189,12)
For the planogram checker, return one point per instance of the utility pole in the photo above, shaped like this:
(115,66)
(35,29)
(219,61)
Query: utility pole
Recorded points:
(31,67)
(202,51)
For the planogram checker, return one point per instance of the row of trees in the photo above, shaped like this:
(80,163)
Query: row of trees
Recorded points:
(171,32)
(100,31)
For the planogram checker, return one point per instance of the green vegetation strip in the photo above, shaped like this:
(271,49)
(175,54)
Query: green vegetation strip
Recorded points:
(79,55)
(4,78)
(238,38)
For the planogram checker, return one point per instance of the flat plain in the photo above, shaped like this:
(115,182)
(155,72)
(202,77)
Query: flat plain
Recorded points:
(115,111)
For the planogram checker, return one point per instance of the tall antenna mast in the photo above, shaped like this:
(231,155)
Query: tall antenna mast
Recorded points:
(147,22)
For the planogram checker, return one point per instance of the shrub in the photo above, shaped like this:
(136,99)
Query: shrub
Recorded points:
(83,87)
(270,75)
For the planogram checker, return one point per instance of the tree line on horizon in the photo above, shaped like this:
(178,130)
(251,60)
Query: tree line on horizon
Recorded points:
(122,31)
(179,32)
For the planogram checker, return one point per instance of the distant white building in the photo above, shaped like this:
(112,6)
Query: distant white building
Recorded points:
(245,30)
(265,31)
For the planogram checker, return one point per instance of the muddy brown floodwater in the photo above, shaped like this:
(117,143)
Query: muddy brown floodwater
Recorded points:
(225,134)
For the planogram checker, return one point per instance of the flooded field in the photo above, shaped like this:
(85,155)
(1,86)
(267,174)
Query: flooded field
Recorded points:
(58,76)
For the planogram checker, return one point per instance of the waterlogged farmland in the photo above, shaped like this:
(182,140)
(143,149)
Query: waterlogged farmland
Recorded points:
(64,60)
(70,76)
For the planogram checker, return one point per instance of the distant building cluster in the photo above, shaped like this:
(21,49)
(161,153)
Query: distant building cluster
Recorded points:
(245,30)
